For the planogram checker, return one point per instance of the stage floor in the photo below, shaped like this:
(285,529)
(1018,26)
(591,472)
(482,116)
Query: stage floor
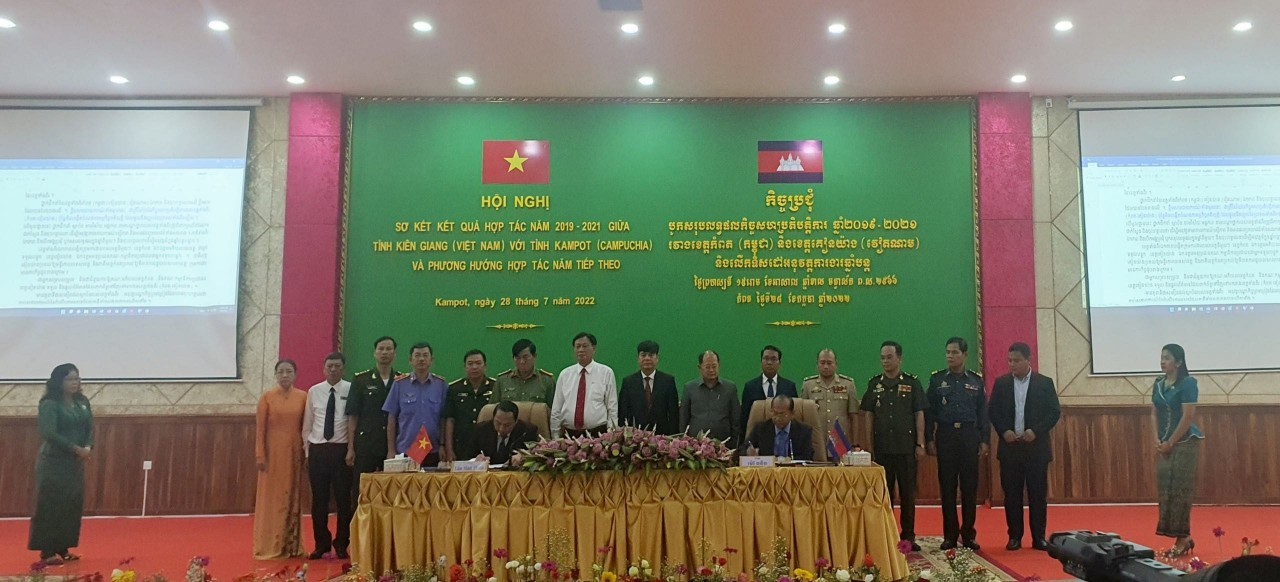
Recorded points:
(166,544)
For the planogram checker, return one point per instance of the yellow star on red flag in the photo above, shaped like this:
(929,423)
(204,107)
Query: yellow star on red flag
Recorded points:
(515,162)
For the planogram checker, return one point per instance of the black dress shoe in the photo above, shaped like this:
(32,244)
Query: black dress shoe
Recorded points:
(343,555)
(914,546)
(973,545)
(1040,545)
(1013,545)
(316,555)
(947,545)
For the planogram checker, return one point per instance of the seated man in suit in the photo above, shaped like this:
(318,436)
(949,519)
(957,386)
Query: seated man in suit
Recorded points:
(785,436)
(498,439)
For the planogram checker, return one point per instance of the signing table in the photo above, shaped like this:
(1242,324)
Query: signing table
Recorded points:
(838,513)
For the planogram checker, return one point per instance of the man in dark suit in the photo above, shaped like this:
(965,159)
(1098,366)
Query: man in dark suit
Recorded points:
(785,436)
(648,398)
(498,439)
(1024,409)
(767,385)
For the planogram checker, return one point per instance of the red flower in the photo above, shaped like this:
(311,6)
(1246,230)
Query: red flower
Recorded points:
(868,561)
(488,573)
(722,561)
(951,554)
(1244,540)
(456,573)
(500,553)
(731,550)
(705,571)
(346,567)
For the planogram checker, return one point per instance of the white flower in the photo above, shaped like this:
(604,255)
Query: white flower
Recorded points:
(634,571)
(492,579)
(869,578)
(520,569)
(926,574)
(538,566)
(843,575)
(434,579)
(512,564)
(644,563)
(762,570)
(648,572)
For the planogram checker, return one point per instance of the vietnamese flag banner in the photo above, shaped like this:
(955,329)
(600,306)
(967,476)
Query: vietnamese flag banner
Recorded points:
(789,162)
(421,447)
(516,162)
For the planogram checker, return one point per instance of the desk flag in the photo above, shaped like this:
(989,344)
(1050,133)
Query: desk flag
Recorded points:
(421,447)
(837,443)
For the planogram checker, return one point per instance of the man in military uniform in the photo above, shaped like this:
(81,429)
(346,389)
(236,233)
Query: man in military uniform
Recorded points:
(366,422)
(526,382)
(956,430)
(467,395)
(896,402)
(834,394)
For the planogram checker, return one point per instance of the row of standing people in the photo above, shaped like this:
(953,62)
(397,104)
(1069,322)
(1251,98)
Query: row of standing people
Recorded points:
(1023,410)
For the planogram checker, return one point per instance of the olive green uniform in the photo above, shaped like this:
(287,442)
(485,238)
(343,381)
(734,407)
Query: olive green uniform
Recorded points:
(463,405)
(540,387)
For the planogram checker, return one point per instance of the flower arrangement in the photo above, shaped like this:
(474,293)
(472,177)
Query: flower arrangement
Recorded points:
(555,567)
(624,449)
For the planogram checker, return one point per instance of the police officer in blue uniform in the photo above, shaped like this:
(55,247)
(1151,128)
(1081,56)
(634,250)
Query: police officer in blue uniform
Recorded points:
(956,431)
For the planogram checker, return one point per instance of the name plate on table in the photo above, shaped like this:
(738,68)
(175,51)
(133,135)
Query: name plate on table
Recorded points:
(469,467)
(765,461)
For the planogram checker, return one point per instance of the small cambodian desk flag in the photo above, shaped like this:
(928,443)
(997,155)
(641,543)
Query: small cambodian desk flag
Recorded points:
(837,444)
(421,447)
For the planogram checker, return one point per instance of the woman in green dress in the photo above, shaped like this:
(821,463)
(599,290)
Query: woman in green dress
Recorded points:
(66,427)
(1174,396)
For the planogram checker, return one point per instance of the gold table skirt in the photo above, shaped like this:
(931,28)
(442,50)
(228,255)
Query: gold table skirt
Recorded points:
(838,513)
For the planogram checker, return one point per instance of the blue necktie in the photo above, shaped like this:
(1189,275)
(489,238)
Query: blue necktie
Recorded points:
(781,444)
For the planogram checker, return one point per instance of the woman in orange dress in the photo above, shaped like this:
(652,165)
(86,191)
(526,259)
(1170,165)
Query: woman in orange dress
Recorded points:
(277,516)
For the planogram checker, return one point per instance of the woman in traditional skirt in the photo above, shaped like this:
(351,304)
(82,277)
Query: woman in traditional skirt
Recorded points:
(66,427)
(277,512)
(1174,397)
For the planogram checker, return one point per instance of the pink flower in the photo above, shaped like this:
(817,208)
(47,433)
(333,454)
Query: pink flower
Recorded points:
(500,553)
(1196,564)
(1219,532)
(904,546)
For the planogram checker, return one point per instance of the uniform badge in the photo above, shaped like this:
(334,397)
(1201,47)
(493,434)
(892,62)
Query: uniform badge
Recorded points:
(971,386)
(945,384)
(838,389)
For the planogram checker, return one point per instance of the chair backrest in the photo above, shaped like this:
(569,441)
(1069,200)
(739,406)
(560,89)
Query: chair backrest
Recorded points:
(535,413)
(806,412)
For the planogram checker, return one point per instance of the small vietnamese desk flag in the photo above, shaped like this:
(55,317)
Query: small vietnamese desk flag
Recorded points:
(421,447)
(516,162)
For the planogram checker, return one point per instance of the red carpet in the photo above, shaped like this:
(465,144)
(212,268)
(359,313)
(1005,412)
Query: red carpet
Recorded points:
(167,544)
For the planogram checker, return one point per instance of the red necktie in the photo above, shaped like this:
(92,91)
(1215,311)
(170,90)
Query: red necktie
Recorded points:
(579,417)
(648,393)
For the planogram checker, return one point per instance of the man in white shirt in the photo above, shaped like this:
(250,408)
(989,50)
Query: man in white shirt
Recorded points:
(324,438)
(586,399)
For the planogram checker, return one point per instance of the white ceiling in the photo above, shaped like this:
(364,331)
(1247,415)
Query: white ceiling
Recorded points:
(694,48)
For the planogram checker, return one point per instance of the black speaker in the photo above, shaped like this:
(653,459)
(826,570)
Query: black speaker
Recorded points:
(1104,557)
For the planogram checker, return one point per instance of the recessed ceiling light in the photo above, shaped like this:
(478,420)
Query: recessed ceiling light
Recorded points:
(630,28)
(118,79)
(1177,78)
(1242,26)
(422,26)
(836,28)
(295,80)
(831,80)
(1063,26)
(6,23)
(219,25)
(645,80)
(465,80)
(1018,78)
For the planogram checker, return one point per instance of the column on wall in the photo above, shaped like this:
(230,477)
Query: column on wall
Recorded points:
(313,203)
(1005,228)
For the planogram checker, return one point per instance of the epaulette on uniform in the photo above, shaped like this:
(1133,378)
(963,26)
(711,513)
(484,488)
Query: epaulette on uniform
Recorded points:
(807,378)
(545,373)
(845,377)
(975,373)
(506,372)
(909,375)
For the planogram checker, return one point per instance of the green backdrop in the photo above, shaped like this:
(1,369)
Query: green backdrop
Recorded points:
(652,165)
